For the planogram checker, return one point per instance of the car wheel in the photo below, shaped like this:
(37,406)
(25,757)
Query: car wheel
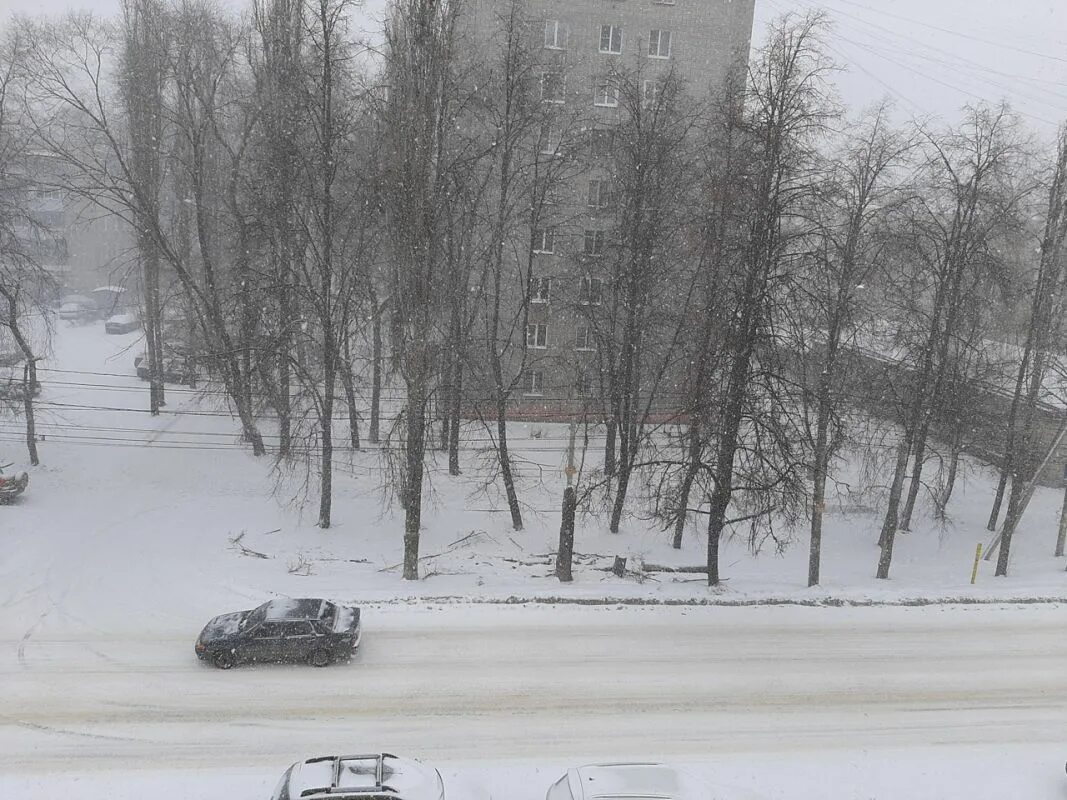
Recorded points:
(224,659)
(319,658)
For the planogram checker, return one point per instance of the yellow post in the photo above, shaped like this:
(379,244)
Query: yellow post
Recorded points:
(977,558)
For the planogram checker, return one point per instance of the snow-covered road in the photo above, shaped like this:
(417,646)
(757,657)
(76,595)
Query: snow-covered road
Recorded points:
(503,683)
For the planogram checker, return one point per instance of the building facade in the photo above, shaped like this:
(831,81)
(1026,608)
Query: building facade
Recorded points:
(595,57)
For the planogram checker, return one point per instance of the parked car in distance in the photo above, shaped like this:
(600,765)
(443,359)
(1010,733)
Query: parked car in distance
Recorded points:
(11,486)
(77,308)
(308,629)
(13,377)
(122,323)
(176,368)
(374,777)
(631,781)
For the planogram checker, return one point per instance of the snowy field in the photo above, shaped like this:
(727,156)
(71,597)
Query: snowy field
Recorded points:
(124,546)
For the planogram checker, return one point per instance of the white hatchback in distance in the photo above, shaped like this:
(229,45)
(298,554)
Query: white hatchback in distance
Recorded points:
(629,781)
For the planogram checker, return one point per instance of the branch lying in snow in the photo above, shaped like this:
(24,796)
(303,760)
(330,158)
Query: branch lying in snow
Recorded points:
(235,544)
(541,563)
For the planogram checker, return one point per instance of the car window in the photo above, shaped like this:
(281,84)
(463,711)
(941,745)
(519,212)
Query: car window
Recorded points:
(298,627)
(268,630)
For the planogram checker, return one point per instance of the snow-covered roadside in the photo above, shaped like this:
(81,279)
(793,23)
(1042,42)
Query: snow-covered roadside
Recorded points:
(114,534)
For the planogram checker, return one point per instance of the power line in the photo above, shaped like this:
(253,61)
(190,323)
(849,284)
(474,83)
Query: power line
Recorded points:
(958,34)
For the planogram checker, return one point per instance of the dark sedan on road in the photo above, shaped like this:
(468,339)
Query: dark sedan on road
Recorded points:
(312,630)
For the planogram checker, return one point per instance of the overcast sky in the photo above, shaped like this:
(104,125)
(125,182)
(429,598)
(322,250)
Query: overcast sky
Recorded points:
(931,56)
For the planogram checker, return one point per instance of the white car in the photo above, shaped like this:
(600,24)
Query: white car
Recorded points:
(629,781)
(122,323)
(363,777)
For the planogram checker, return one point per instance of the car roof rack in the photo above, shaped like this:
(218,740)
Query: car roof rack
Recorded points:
(378,788)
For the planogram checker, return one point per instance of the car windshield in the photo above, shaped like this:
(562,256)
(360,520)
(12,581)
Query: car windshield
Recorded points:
(255,616)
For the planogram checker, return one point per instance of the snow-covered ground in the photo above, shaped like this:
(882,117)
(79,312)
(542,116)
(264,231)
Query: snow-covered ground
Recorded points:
(124,546)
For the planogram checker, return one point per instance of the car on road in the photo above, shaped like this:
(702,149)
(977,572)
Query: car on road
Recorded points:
(307,629)
(633,781)
(374,777)
(122,323)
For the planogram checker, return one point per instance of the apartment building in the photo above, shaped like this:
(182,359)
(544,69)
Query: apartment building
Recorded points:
(585,46)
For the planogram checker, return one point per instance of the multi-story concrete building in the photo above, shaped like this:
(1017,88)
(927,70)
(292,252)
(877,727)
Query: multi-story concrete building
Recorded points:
(590,52)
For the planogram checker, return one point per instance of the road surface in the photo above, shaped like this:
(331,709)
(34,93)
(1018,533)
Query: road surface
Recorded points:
(498,684)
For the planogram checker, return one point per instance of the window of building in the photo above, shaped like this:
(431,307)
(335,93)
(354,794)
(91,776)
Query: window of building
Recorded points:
(611,39)
(537,335)
(651,93)
(602,142)
(584,339)
(540,289)
(583,386)
(594,243)
(590,291)
(551,138)
(544,240)
(600,194)
(533,383)
(553,86)
(659,44)
(606,93)
(555,35)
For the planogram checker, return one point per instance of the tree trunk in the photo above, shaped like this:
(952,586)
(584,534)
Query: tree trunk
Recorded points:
(691,469)
(565,552)
(326,432)
(505,460)
(415,447)
(1061,538)
(285,352)
(376,375)
(349,382)
(1009,450)
(455,408)
(720,499)
(889,526)
(153,327)
(29,372)
(916,481)
(609,446)
(818,493)
(29,383)
(950,481)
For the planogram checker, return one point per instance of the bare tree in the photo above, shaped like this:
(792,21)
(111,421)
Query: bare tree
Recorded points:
(1045,322)
(847,251)
(143,77)
(967,198)
(417,130)
(75,120)
(23,283)
(788,111)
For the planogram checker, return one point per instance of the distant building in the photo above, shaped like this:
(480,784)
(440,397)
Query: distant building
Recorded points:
(584,44)
(80,245)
